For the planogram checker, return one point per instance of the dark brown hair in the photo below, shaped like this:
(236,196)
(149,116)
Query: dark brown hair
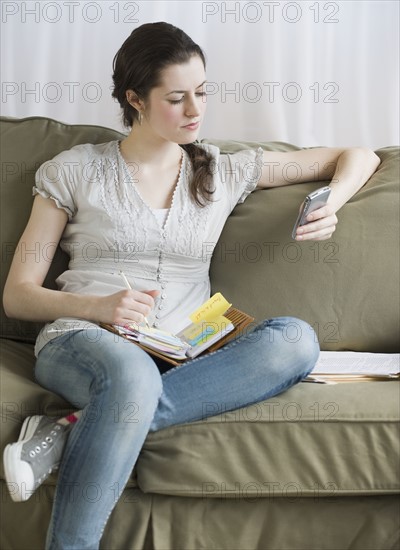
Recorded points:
(137,66)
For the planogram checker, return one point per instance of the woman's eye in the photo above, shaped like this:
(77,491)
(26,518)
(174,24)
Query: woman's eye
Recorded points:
(181,100)
(176,101)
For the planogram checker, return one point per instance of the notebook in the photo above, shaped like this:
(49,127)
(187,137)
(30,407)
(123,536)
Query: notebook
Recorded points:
(210,327)
(333,367)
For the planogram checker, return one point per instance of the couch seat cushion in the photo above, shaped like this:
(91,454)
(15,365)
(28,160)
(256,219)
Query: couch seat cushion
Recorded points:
(21,396)
(312,440)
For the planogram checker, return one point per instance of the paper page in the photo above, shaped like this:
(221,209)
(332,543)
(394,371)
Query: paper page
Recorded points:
(213,308)
(159,335)
(199,333)
(208,340)
(353,362)
(208,325)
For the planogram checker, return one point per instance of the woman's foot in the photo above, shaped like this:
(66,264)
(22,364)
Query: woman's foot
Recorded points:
(36,454)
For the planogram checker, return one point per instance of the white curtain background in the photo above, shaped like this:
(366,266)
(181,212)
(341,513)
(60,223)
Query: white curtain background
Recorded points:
(307,73)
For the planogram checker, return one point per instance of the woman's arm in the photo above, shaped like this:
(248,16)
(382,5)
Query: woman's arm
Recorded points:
(25,298)
(348,170)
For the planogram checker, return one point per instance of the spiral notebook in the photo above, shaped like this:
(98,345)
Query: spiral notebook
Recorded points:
(211,326)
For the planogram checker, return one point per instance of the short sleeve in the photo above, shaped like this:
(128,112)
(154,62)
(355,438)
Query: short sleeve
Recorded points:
(56,179)
(240,172)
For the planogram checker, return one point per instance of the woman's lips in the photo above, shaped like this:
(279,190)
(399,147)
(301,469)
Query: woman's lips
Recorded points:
(192,126)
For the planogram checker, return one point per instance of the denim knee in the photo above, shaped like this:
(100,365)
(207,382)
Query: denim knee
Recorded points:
(303,338)
(294,343)
(126,378)
(123,377)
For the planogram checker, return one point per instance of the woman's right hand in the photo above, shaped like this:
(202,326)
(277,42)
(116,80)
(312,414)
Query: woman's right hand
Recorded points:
(125,306)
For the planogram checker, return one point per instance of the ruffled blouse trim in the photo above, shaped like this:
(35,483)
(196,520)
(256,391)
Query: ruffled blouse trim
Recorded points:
(46,195)
(253,180)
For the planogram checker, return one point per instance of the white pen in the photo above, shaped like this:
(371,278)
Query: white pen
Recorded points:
(130,288)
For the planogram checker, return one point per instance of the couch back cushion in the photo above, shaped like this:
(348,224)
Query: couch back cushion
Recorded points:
(25,144)
(347,287)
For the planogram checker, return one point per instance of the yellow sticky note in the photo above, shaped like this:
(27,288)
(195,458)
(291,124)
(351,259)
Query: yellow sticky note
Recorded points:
(213,308)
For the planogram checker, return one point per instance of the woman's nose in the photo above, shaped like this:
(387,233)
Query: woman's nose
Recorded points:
(193,108)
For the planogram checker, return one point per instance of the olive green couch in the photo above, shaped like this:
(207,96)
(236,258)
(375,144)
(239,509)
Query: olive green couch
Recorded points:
(314,468)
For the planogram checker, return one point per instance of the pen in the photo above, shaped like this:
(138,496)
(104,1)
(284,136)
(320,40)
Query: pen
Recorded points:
(130,288)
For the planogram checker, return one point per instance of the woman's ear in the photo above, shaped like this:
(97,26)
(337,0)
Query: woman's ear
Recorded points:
(133,100)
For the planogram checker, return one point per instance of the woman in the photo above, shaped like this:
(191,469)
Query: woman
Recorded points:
(145,205)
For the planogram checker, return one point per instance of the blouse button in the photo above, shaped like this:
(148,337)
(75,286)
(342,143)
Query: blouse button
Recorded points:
(160,307)
(156,324)
(158,316)
(163,296)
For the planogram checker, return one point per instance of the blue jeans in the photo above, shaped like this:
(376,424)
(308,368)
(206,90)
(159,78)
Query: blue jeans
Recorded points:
(124,394)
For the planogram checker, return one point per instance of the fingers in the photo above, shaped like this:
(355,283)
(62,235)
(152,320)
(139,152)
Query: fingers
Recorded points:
(125,306)
(139,301)
(320,235)
(142,297)
(321,224)
(323,212)
(153,293)
(131,306)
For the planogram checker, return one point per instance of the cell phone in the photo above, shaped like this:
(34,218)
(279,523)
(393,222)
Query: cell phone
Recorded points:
(312,202)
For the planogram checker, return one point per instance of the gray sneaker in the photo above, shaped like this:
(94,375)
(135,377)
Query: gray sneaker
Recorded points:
(36,454)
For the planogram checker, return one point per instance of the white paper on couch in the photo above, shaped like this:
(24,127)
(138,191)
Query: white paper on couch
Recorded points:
(358,363)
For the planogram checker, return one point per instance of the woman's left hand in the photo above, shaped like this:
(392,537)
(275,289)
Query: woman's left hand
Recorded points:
(322,225)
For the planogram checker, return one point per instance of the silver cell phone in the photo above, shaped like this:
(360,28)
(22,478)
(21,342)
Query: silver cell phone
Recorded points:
(312,202)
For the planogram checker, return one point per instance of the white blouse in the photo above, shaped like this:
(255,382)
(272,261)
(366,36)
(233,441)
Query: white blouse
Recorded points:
(111,228)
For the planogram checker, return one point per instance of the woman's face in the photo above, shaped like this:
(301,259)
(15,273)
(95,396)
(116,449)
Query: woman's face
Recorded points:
(175,109)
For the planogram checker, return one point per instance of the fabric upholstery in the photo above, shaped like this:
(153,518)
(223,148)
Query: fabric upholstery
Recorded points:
(315,467)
